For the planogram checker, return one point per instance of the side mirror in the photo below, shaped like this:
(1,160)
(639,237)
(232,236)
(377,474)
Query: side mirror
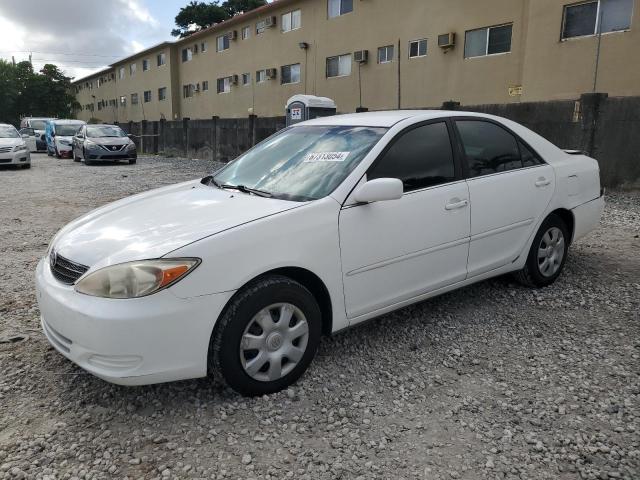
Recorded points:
(130,135)
(379,190)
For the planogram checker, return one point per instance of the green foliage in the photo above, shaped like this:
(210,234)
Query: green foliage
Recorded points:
(204,15)
(24,92)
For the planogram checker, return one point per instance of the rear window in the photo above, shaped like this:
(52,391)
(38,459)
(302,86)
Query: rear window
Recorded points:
(38,124)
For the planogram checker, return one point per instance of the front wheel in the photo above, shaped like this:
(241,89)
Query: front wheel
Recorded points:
(548,254)
(266,337)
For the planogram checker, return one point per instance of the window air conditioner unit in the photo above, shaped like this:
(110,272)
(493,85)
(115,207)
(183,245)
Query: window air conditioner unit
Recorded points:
(272,73)
(270,22)
(234,79)
(232,35)
(361,56)
(447,40)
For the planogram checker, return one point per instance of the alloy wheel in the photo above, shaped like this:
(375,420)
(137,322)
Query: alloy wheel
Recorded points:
(551,252)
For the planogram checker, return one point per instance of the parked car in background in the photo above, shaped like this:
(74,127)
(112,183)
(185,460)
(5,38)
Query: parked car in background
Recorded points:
(13,149)
(320,227)
(30,138)
(103,143)
(59,134)
(39,125)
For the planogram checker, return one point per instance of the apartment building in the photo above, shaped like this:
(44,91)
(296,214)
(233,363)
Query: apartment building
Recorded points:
(382,54)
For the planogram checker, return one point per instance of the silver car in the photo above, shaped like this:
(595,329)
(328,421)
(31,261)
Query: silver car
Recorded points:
(103,143)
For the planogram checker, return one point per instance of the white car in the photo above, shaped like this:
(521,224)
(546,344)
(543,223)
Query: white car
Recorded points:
(13,149)
(318,228)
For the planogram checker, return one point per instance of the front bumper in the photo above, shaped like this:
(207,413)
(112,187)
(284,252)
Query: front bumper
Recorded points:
(15,158)
(65,151)
(110,156)
(154,339)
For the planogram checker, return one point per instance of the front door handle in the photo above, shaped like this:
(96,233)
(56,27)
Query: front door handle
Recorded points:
(542,182)
(456,203)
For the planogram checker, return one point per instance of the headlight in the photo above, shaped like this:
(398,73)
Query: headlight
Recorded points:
(131,146)
(19,148)
(65,142)
(136,279)
(90,145)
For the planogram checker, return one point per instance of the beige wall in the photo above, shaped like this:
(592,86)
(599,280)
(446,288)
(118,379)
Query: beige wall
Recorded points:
(545,67)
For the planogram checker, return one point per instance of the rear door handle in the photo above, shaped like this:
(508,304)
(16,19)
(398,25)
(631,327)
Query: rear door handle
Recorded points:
(542,182)
(456,203)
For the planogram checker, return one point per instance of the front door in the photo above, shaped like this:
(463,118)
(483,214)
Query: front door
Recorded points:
(396,250)
(509,189)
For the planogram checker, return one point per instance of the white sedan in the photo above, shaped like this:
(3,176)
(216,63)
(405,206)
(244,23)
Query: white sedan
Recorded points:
(318,228)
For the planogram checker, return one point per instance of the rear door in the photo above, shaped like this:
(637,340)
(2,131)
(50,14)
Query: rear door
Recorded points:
(510,187)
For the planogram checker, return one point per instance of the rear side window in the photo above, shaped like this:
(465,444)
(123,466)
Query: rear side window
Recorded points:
(420,158)
(529,158)
(488,148)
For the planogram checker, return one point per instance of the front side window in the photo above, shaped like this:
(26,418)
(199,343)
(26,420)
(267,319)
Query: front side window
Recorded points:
(291,20)
(246,79)
(488,148)
(291,74)
(161,59)
(339,66)
(421,158)
(339,7)
(147,96)
(134,99)
(222,43)
(224,85)
(162,93)
(488,41)
(246,32)
(302,163)
(418,48)
(590,18)
(385,54)
(145,65)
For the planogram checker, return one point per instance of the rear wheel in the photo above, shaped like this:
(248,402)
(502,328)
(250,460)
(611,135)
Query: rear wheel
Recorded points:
(266,337)
(548,254)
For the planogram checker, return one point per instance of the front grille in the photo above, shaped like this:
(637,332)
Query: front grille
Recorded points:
(5,160)
(5,149)
(113,148)
(64,270)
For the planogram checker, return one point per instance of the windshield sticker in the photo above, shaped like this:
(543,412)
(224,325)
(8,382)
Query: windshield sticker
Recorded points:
(326,157)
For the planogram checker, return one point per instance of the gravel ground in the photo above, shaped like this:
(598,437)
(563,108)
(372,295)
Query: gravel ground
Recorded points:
(492,381)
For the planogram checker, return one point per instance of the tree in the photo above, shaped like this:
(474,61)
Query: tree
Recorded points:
(8,93)
(199,15)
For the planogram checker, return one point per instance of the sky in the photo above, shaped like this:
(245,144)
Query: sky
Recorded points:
(83,36)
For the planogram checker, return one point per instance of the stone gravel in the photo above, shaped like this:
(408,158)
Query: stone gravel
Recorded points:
(494,381)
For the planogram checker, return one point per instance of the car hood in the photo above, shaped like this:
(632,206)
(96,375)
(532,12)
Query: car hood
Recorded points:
(68,139)
(153,224)
(110,140)
(10,142)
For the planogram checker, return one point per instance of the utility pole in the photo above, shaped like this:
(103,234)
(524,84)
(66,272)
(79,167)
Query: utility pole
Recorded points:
(599,27)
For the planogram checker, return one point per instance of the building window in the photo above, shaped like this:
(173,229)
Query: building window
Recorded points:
(290,74)
(134,99)
(121,73)
(339,66)
(418,48)
(488,41)
(203,47)
(187,91)
(187,54)
(261,76)
(246,32)
(162,93)
(222,43)
(261,26)
(590,18)
(147,96)
(224,85)
(123,100)
(339,7)
(205,85)
(246,79)
(291,20)
(132,69)
(145,64)
(385,54)
(161,59)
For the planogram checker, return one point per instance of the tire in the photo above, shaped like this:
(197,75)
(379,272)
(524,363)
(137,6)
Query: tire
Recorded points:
(84,156)
(26,166)
(534,274)
(269,297)
(58,156)
(131,162)
(49,154)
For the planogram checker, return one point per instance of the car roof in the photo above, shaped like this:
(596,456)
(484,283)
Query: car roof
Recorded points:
(67,122)
(388,118)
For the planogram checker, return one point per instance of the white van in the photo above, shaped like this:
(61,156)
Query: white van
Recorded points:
(39,126)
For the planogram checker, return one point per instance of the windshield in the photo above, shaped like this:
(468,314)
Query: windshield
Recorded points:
(105,131)
(302,163)
(7,131)
(67,130)
(38,124)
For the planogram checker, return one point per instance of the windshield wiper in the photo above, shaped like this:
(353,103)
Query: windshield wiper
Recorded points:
(240,188)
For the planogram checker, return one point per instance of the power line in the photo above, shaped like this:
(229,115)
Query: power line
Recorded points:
(61,53)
